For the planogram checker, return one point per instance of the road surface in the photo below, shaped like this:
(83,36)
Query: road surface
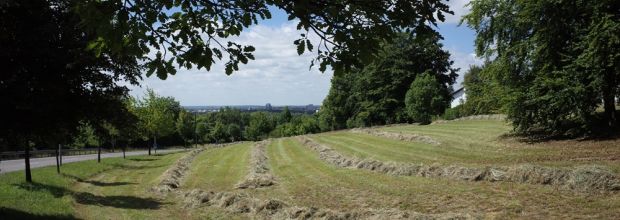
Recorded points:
(15,165)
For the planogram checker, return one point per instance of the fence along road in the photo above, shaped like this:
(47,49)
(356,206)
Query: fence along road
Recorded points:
(16,165)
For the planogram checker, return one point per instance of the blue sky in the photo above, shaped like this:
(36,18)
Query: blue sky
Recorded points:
(280,76)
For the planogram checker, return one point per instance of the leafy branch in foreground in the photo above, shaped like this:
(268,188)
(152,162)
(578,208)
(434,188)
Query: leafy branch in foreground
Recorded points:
(165,34)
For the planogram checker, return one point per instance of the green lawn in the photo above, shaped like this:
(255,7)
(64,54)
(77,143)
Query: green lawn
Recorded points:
(53,196)
(219,169)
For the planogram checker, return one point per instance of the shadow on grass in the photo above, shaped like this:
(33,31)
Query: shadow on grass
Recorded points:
(142,159)
(97,183)
(8,213)
(132,167)
(123,202)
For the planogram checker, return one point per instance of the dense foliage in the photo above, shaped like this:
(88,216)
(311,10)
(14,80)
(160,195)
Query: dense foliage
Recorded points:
(485,95)
(558,60)
(49,83)
(233,125)
(425,99)
(375,94)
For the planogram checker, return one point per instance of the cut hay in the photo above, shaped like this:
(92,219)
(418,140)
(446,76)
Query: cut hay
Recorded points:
(397,136)
(259,175)
(275,209)
(584,178)
(172,178)
(497,117)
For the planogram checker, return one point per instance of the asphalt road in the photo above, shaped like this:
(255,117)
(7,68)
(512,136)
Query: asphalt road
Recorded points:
(16,165)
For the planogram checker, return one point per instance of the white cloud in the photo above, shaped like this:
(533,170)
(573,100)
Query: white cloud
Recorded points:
(278,75)
(459,8)
(463,61)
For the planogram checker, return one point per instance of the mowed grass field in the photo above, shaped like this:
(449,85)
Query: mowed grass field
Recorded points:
(120,189)
(306,180)
(474,143)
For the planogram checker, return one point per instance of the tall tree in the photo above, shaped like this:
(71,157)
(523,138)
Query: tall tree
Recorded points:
(558,59)
(425,99)
(185,126)
(158,115)
(47,72)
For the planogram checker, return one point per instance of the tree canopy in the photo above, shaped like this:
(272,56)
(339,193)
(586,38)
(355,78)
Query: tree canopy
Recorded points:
(49,83)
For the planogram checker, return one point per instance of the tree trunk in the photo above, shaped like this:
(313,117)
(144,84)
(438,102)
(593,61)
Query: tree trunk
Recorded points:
(609,102)
(195,132)
(149,147)
(99,154)
(155,143)
(27,161)
(60,154)
(124,152)
(57,161)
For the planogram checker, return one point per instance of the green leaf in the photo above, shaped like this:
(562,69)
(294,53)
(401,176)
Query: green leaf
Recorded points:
(229,69)
(249,49)
(301,47)
(310,46)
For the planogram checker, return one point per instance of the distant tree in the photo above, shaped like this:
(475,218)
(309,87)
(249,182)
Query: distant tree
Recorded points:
(425,99)
(234,132)
(185,126)
(259,126)
(286,115)
(158,115)
(307,125)
(129,125)
(202,131)
(85,136)
(111,133)
(219,133)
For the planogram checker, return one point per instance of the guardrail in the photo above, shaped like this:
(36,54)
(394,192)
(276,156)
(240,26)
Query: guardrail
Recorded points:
(12,155)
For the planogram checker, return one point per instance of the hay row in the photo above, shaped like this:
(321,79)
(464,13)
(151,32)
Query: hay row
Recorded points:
(583,178)
(171,179)
(259,175)
(397,136)
(498,117)
(274,209)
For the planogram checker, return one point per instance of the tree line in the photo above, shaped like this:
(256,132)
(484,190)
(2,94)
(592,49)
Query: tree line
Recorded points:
(154,117)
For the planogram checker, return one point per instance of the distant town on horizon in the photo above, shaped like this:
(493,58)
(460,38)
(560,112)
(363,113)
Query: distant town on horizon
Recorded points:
(308,109)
